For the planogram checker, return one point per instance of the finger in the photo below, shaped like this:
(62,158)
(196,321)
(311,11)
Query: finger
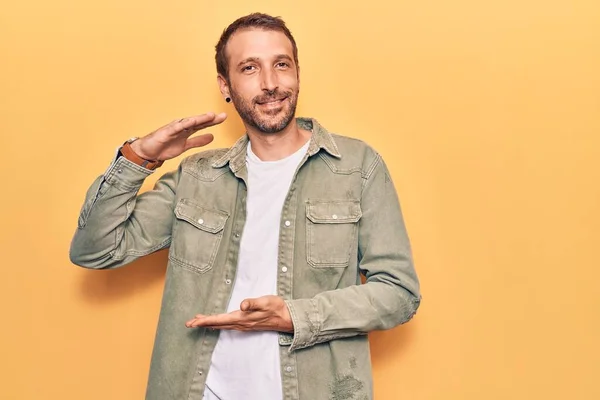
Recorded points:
(185,125)
(192,124)
(233,328)
(216,121)
(247,305)
(199,141)
(255,304)
(194,323)
(253,321)
(191,121)
(190,130)
(217,320)
(197,316)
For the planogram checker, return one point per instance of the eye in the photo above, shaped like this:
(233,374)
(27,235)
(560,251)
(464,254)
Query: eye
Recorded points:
(282,64)
(247,68)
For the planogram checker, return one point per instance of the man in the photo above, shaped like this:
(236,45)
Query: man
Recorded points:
(267,240)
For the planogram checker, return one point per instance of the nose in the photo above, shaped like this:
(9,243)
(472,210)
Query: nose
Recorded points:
(269,81)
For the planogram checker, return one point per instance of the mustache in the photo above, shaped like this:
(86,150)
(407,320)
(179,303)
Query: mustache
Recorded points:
(272,95)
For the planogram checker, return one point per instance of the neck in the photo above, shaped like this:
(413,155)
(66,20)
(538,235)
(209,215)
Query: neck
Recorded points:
(275,146)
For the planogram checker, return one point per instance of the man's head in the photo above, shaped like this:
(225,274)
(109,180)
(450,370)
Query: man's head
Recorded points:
(257,65)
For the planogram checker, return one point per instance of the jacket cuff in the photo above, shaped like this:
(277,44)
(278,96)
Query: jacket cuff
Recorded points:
(126,174)
(306,320)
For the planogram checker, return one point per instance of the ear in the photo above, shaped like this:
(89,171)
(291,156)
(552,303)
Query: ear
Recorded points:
(223,86)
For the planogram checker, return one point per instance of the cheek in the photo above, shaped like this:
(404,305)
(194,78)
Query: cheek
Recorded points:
(290,82)
(246,89)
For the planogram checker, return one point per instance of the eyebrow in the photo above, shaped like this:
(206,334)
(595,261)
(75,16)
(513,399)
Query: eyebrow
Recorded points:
(256,59)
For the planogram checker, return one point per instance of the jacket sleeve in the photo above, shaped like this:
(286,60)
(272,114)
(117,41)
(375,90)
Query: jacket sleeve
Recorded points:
(391,293)
(116,225)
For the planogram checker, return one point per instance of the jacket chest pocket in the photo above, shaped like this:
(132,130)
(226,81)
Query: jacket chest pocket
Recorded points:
(331,229)
(197,234)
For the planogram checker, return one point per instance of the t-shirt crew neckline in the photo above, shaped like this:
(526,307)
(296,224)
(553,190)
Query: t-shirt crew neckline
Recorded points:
(252,157)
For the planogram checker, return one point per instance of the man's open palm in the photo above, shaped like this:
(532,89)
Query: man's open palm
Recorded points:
(266,313)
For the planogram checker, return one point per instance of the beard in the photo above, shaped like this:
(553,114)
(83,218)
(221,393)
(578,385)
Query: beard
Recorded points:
(270,120)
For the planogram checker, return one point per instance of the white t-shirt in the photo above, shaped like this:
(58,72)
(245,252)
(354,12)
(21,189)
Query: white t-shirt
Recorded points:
(245,365)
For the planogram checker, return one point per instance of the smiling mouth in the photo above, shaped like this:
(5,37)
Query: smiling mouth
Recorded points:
(275,101)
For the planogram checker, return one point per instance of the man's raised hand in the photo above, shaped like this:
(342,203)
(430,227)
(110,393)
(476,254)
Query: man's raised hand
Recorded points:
(173,139)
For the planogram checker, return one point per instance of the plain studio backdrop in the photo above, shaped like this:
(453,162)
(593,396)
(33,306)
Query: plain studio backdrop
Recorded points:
(487,113)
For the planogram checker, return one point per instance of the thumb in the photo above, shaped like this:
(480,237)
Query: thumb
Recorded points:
(250,305)
(199,141)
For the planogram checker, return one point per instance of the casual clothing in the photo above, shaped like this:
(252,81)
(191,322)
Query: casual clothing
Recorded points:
(209,394)
(246,365)
(341,217)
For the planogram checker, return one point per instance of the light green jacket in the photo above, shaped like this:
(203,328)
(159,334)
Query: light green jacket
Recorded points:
(340,218)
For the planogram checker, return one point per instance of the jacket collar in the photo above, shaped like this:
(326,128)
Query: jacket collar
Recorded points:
(320,139)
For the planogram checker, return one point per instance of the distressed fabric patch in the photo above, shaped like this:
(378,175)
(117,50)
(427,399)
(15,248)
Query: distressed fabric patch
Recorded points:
(346,387)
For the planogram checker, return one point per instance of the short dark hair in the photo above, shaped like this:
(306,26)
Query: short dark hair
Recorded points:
(254,20)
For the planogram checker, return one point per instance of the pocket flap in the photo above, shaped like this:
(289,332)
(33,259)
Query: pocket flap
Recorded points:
(207,219)
(333,212)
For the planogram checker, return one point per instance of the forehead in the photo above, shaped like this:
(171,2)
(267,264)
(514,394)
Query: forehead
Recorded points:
(257,43)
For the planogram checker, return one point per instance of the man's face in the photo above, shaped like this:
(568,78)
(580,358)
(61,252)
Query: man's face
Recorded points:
(263,78)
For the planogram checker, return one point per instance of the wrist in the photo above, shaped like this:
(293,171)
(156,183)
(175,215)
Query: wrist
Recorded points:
(131,151)
(135,146)
(288,323)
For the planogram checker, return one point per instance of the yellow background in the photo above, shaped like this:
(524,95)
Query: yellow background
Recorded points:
(487,113)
